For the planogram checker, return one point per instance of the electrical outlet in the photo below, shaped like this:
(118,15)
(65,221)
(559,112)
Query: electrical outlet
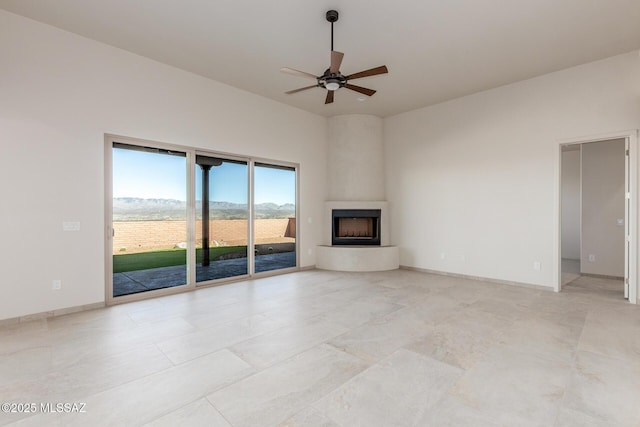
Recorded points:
(71,226)
(537,266)
(443,255)
(592,258)
(56,285)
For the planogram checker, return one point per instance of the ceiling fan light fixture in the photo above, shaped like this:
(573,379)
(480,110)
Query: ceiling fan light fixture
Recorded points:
(332,85)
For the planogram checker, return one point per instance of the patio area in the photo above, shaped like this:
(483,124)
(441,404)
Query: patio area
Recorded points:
(133,282)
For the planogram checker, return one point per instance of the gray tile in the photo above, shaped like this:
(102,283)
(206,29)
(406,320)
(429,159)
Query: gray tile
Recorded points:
(451,412)
(274,395)
(379,338)
(360,312)
(397,391)
(24,365)
(150,397)
(464,340)
(511,385)
(545,337)
(205,341)
(308,417)
(199,413)
(613,332)
(603,388)
(272,347)
(572,418)
(530,358)
(91,375)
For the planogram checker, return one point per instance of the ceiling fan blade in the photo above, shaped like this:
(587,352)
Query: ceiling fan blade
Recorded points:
(372,72)
(297,73)
(300,90)
(336,60)
(360,89)
(329,99)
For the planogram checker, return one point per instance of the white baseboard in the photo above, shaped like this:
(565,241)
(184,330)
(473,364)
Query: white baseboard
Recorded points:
(53,313)
(478,278)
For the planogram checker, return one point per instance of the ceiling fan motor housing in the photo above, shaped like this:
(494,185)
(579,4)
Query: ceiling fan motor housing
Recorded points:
(331,81)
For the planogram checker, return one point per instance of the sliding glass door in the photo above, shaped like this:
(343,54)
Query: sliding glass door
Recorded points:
(222,214)
(149,211)
(181,218)
(274,217)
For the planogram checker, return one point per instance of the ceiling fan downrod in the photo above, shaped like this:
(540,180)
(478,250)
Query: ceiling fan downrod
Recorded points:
(332,16)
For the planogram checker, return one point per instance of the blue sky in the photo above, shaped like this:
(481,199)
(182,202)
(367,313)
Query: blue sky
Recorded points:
(274,185)
(158,176)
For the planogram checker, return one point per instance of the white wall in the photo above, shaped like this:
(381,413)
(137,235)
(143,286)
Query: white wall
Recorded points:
(476,178)
(603,165)
(571,204)
(355,159)
(59,94)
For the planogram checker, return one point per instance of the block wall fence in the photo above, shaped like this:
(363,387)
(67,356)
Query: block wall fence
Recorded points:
(139,236)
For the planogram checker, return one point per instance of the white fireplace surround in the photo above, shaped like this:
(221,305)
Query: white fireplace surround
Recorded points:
(356,181)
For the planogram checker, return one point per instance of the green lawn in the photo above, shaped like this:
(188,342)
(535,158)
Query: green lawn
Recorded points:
(166,258)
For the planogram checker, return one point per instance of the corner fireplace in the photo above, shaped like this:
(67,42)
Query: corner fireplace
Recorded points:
(355,227)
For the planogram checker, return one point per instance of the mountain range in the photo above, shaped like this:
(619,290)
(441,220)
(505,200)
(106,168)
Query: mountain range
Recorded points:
(139,209)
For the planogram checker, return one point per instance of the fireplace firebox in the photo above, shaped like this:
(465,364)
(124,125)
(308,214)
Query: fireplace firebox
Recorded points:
(355,227)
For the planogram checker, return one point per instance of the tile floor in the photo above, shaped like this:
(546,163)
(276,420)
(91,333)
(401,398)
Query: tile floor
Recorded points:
(318,348)
(570,270)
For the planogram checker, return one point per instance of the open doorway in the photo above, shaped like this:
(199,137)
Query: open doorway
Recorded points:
(597,217)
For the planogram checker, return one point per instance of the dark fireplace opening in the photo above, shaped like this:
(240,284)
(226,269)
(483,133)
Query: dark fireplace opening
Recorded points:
(355,227)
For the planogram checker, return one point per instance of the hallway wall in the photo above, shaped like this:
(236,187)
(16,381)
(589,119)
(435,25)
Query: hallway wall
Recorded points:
(603,165)
(570,203)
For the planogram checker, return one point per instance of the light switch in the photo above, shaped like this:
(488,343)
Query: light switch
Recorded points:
(71,226)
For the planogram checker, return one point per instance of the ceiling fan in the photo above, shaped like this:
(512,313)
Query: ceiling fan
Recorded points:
(332,79)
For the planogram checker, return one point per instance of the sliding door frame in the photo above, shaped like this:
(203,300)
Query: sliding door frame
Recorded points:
(296,168)
(224,280)
(191,153)
(109,232)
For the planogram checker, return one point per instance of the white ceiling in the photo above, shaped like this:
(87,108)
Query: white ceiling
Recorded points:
(435,49)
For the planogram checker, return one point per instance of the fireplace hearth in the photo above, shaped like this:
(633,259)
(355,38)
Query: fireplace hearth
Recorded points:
(355,227)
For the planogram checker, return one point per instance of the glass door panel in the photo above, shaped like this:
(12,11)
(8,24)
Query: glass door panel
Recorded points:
(149,219)
(274,217)
(222,216)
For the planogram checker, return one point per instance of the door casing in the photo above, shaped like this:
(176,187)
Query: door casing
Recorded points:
(631,208)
